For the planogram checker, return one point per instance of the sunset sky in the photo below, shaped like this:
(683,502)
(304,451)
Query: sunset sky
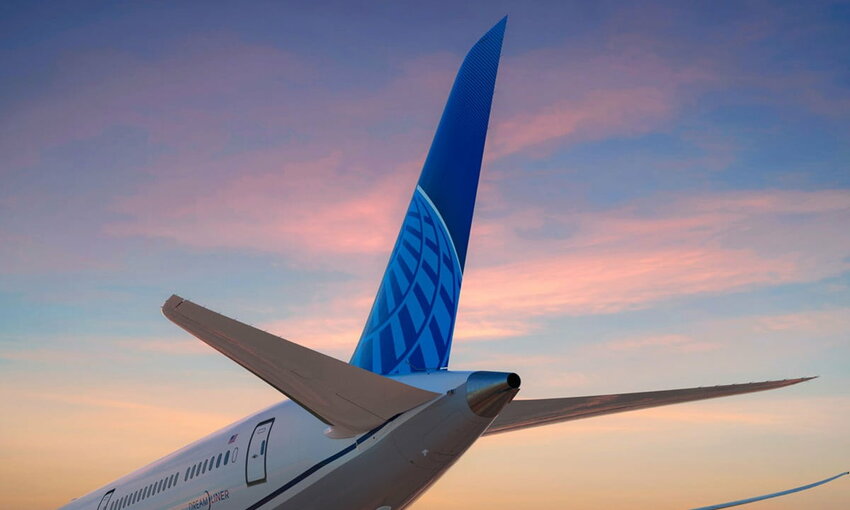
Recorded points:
(664,203)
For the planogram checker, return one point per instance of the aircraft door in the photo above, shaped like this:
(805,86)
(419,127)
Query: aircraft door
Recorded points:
(104,502)
(255,459)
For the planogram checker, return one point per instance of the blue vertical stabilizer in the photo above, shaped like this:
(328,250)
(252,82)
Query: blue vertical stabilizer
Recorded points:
(412,320)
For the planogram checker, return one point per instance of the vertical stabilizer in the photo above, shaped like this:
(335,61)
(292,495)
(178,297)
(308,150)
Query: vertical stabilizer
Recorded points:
(412,320)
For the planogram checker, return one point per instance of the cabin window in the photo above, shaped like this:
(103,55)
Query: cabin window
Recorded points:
(218,461)
(204,469)
(226,456)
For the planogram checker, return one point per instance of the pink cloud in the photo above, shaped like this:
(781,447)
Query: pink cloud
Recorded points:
(599,113)
(609,282)
(626,258)
(649,251)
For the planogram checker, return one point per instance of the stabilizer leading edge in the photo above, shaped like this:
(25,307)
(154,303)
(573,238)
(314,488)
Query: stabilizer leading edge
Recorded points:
(350,399)
(521,414)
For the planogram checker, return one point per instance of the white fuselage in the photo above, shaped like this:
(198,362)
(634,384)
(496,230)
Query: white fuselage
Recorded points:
(281,458)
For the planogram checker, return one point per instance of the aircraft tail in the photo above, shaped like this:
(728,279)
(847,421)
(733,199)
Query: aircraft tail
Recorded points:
(412,321)
(347,398)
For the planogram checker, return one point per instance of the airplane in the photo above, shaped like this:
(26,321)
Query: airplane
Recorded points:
(374,433)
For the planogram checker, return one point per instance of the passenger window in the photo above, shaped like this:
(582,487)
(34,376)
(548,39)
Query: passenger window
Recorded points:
(204,469)
(212,461)
(226,456)
(218,461)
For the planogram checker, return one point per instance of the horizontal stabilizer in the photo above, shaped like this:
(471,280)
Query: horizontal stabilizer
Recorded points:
(348,398)
(521,414)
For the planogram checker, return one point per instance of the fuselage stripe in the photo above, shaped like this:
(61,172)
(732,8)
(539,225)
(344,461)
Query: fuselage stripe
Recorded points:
(319,466)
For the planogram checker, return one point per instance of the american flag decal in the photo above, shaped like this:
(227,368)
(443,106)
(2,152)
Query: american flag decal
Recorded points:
(232,438)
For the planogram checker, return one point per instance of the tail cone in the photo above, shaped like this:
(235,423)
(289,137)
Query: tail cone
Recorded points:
(488,392)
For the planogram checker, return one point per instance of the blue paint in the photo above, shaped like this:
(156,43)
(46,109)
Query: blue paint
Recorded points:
(424,274)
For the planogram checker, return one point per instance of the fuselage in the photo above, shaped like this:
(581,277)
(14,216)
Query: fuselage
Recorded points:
(282,458)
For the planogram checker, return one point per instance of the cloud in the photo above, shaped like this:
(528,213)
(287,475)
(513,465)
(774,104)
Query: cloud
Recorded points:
(624,258)
(598,114)
(652,250)
(665,342)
